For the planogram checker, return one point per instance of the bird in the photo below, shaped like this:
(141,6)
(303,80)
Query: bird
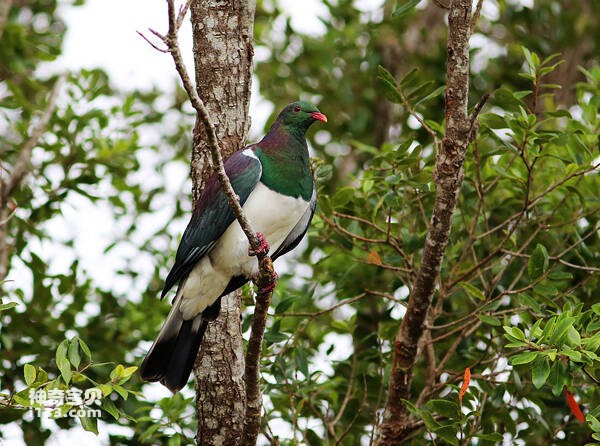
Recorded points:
(276,190)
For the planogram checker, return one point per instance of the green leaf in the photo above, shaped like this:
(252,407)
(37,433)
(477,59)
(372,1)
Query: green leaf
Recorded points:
(558,377)
(30,374)
(175,440)
(496,437)
(64,366)
(540,371)
(90,424)
(121,391)
(74,357)
(489,320)
(110,407)
(405,8)
(524,357)
(448,433)
(538,262)
(301,361)
(562,328)
(573,337)
(61,350)
(343,196)
(129,371)
(435,93)
(7,306)
(445,408)
(411,408)
(389,84)
(285,304)
(515,332)
(85,349)
(117,372)
(472,290)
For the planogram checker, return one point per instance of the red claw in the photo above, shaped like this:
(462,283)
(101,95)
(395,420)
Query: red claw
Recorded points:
(270,287)
(264,247)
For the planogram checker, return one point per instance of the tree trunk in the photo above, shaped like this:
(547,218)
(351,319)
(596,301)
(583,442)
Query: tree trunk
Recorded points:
(222,32)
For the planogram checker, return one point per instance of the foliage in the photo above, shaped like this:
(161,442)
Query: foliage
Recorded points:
(517,298)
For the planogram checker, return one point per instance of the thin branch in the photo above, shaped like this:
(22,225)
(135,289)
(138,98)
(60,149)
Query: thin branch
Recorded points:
(252,363)
(582,267)
(477,109)
(476,15)
(326,310)
(348,393)
(183,9)
(386,295)
(152,44)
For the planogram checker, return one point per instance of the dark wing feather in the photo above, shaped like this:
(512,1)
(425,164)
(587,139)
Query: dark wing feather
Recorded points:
(213,215)
(296,234)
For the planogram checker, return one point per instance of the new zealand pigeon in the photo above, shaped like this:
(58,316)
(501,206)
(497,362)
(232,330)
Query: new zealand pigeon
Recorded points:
(274,183)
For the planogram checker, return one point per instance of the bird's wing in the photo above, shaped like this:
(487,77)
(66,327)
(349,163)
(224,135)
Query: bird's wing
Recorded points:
(213,215)
(296,234)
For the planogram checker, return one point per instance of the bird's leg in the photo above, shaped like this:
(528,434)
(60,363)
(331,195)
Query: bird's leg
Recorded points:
(263,248)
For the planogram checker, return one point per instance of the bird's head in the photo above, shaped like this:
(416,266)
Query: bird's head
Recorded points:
(301,114)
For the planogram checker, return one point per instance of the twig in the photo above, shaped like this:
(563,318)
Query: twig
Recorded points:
(156,47)
(326,310)
(476,15)
(582,267)
(442,5)
(477,109)
(348,393)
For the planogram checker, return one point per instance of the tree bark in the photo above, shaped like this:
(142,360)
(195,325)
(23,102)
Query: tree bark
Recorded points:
(448,177)
(222,32)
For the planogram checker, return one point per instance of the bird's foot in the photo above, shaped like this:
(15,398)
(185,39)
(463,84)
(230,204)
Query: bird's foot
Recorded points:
(263,248)
(271,286)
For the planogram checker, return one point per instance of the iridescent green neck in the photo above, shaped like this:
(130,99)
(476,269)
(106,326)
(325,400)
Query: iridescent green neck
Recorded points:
(284,156)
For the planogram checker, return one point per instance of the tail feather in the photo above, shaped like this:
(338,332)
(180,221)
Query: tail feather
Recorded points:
(171,357)
(185,351)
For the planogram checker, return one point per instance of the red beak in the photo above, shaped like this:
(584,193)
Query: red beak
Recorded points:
(319,116)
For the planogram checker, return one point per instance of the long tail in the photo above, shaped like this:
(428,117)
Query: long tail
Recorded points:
(171,357)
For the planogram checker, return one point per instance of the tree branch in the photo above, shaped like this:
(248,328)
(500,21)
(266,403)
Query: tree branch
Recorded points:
(448,177)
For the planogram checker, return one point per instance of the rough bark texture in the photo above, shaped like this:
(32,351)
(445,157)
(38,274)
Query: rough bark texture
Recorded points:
(222,31)
(448,177)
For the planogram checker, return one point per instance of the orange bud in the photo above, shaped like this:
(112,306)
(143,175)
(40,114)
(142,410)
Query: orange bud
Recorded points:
(575,409)
(374,258)
(465,384)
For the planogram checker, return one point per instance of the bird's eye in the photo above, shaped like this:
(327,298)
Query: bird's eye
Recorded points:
(296,108)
